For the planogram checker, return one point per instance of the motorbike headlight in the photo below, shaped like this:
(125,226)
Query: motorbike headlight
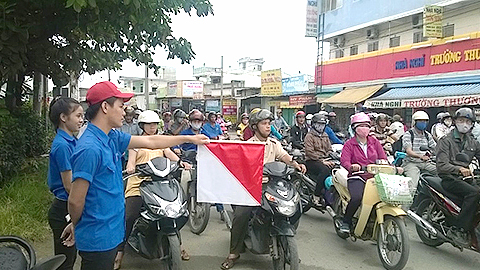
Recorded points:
(173,210)
(156,209)
(287,208)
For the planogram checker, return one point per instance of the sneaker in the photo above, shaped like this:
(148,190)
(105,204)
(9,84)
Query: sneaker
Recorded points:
(459,236)
(344,228)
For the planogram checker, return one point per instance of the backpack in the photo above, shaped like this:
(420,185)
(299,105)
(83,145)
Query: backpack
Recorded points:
(398,145)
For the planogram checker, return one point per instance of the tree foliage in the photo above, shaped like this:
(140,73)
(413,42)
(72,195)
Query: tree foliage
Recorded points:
(56,37)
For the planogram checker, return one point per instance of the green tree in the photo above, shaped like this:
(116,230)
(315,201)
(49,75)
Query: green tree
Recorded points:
(57,37)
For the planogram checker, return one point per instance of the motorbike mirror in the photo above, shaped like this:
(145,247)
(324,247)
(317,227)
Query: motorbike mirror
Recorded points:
(424,148)
(462,157)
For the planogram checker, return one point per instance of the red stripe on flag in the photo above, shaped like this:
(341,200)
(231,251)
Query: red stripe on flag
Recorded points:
(244,161)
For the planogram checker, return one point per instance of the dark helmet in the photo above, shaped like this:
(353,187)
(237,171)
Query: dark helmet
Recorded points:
(196,115)
(319,118)
(381,116)
(466,113)
(244,115)
(258,115)
(178,113)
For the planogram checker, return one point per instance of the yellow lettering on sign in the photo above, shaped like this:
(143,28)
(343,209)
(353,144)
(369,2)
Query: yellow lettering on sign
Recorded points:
(447,57)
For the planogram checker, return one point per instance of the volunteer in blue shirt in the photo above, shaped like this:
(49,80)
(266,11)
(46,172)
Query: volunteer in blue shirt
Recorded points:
(96,203)
(212,129)
(66,115)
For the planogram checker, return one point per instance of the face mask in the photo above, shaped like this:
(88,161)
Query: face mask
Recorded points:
(196,126)
(464,127)
(362,131)
(319,128)
(421,125)
(448,122)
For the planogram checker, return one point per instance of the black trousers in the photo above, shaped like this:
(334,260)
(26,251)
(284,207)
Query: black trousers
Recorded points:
(56,220)
(98,260)
(355,187)
(133,204)
(471,197)
(321,171)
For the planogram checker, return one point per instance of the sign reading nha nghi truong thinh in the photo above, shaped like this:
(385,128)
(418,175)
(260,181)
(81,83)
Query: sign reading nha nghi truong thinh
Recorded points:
(432,21)
(271,82)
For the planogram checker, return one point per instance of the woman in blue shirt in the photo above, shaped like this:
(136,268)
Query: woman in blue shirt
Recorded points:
(66,115)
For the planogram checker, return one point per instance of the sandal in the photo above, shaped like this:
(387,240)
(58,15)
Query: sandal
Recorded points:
(229,263)
(118,260)
(184,255)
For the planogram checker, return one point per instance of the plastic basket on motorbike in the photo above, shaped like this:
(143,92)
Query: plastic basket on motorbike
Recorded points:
(394,189)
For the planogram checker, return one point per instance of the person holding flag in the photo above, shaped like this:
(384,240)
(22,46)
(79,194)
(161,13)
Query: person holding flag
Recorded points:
(260,122)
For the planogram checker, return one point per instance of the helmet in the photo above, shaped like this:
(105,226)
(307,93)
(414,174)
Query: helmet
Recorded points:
(440,116)
(299,113)
(309,116)
(244,115)
(165,114)
(323,113)
(148,116)
(196,115)
(466,113)
(129,110)
(420,115)
(212,113)
(396,118)
(332,114)
(178,113)
(258,115)
(446,115)
(359,118)
(381,116)
(319,118)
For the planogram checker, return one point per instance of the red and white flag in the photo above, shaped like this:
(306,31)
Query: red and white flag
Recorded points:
(230,172)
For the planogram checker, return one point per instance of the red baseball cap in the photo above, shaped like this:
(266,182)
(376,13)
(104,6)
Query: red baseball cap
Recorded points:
(104,90)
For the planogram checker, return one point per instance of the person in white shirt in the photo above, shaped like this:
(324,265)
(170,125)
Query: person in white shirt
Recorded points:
(397,126)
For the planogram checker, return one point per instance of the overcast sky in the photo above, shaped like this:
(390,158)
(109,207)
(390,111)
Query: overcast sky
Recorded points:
(272,29)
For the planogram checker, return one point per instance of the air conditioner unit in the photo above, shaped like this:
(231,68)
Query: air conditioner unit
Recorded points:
(417,21)
(372,33)
(339,42)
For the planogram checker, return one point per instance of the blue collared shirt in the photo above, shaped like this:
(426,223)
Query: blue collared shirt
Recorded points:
(60,154)
(189,146)
(212,131)
(97,159)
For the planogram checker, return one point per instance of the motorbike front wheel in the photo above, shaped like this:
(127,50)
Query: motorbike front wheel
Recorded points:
(287,254)
(430,212)
(175,256)
(199,215)
(393,246)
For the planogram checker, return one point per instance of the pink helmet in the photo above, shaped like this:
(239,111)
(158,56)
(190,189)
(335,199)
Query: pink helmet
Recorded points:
(359,118)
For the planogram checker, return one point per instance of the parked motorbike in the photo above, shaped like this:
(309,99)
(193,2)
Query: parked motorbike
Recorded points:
(271,227)
(17,254)
(441,208)
(199,211)
(376,220)
(155,233)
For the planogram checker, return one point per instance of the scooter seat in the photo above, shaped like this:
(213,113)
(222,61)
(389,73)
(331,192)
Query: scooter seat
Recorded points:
(436,183)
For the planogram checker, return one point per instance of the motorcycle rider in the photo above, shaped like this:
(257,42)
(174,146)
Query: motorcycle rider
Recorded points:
(299,130)
(242,125)
(418,161)
(317,150)
(397,126)
(148,121)
(443,127)
(451,171)
(308,120)
(260,122)
(212,128)
(280,123)
(196,119)
(329,131)
(332,122)
(360,150)
(383,133)
(180,122)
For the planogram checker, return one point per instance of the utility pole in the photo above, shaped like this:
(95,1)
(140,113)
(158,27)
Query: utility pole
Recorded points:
(146,88)
(221,87)
(320,43)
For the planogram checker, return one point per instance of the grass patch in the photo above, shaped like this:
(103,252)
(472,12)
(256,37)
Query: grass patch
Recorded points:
(24,202)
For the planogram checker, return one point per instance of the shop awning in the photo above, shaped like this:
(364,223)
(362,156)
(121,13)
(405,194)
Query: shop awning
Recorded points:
(321,97)
(428,96)
(351,96)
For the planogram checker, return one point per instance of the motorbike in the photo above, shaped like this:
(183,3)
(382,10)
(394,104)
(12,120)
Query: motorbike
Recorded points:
(199,211)
(440,208)
(271,228)
(17,254)
(377,219)
(155,234)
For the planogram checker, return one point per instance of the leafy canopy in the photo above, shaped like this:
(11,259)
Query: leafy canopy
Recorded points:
(57,37)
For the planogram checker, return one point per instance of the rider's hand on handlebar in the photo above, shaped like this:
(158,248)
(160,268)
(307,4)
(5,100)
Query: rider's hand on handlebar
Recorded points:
(186,165)
(301,168)
(465,172)
(355,168)
(329,164)
(425,158)
(130,169)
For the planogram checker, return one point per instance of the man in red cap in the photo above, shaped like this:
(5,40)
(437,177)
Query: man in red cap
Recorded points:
(96,202)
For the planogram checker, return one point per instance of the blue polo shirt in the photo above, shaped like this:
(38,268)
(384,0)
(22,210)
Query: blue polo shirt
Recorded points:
(60,154)
(212,131)
(97,159)
(189,146)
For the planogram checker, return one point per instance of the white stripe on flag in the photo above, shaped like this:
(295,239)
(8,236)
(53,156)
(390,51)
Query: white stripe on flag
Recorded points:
(216,184)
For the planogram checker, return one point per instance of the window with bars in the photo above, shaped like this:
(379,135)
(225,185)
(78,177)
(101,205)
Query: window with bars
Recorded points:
(372,46)
(354,50)
(418,37)
(339,53)
(394,42)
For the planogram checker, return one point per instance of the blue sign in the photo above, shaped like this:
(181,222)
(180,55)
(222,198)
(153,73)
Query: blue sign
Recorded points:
(412,63)
(295,85)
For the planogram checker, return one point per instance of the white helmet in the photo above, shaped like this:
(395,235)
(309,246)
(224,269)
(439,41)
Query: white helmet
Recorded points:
(309,116)
(148,116)
(420,115)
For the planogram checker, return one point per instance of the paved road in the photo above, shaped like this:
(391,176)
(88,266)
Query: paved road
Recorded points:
(319,248)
